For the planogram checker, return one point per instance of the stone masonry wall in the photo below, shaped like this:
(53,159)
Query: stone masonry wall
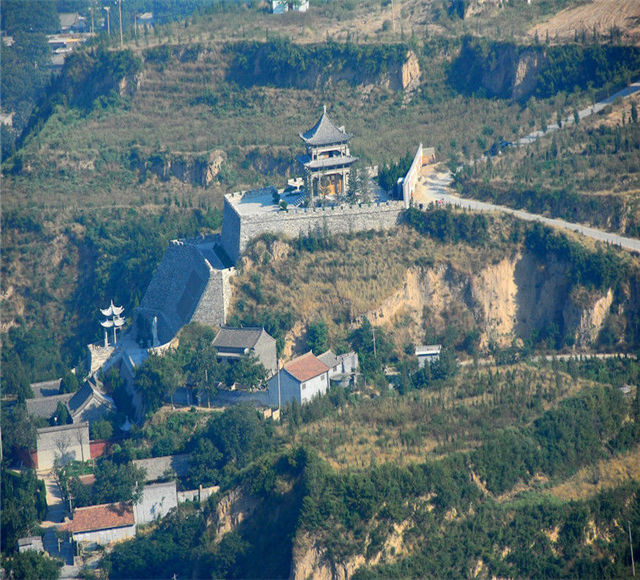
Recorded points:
(238,230)
(214,302)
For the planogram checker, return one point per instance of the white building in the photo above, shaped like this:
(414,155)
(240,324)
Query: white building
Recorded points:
(301,380)
(157,500)
(428,354)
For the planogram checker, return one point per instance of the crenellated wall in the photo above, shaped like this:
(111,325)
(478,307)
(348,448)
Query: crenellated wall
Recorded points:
(238,230)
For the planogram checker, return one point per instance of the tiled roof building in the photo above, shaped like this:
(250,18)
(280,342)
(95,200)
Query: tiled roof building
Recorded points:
(300,380)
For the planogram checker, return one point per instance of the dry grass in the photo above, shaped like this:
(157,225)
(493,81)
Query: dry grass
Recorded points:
(353,278)
(428,423)
(606,474)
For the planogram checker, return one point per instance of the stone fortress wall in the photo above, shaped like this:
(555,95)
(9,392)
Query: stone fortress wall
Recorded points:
(238,230)
(190,284)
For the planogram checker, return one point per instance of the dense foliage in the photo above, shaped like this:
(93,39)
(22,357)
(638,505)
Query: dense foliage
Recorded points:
(567,67)
(601,269)
(24,503)
(281,63)
(31,564)
(448,226)
(389,174)
(228,443)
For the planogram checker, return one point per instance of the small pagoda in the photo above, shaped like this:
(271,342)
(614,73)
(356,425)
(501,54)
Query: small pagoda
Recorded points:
(327,163)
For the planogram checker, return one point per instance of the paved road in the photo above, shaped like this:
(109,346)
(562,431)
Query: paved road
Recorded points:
(626,92)
(437,187)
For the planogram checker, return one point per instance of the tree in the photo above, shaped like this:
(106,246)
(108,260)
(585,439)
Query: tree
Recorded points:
(61,416)
(634,112)
(318,336)
(24,503)
(247,371)
(69,383)
(373,346)
(101,429)
(117,482)
(159,375)
(18,432)
(31,564)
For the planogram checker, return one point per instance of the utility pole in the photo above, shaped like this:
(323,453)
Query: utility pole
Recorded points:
(373,332)
(120,18)
(633,565)
(108,11)
(278,372)
(393,16)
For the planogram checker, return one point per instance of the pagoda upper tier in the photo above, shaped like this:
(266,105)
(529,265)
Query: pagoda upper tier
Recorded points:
(324,132)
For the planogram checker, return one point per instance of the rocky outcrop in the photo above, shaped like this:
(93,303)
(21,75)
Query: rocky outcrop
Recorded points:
(410,73)
(199,170)
(311,559)
(526,73)
(232,510)
(586,312)
(512,298)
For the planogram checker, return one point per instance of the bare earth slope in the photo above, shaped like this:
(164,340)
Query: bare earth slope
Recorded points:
(601,15)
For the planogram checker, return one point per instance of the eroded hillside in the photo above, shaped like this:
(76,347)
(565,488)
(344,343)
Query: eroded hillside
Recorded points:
(519,285)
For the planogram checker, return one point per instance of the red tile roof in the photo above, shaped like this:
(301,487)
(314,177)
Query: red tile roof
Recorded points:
(306,367)
(100,517)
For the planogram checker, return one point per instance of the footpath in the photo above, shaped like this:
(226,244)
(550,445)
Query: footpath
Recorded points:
(56,510)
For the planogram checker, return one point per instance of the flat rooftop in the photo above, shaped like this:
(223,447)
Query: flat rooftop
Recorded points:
(260,201)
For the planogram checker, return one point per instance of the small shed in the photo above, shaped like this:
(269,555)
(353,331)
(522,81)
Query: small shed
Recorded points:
(30,543)
(428,354)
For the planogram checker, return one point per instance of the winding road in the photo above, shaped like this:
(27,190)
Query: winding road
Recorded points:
(436,187)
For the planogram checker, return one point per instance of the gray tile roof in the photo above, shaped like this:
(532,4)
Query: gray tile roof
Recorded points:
(46,388)
(246,337)
(329,358)
(324,132)
(80,397)
(157,467)
(45,407)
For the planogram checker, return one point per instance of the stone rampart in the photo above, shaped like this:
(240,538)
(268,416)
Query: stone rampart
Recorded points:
(239,230)
(190,284)
(411,178)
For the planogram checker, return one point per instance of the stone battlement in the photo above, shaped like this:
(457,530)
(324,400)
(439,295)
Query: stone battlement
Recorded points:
(242,224)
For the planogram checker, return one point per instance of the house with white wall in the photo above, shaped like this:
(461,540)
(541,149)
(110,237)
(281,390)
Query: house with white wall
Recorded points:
(101,524)
(300,380)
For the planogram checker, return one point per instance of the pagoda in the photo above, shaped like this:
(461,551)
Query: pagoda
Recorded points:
(327,163)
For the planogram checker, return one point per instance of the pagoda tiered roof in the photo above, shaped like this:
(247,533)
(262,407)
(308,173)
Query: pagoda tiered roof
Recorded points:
(324,132)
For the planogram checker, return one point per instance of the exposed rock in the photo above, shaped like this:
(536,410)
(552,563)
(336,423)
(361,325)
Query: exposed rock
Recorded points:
(526,74)
(510,299)
(233,509)
(410,72)
(585,314)
(188,168)
(310,560)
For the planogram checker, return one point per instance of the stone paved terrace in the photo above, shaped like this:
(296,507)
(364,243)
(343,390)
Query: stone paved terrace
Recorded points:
(260,201)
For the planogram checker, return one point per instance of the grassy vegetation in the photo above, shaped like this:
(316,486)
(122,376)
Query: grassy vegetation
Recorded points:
(393,473)
(585,173)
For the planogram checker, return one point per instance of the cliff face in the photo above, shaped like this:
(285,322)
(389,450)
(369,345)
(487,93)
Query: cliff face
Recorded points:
(199,170)
(509,299)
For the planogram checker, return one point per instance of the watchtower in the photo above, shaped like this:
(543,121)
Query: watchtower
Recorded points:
(327,162)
